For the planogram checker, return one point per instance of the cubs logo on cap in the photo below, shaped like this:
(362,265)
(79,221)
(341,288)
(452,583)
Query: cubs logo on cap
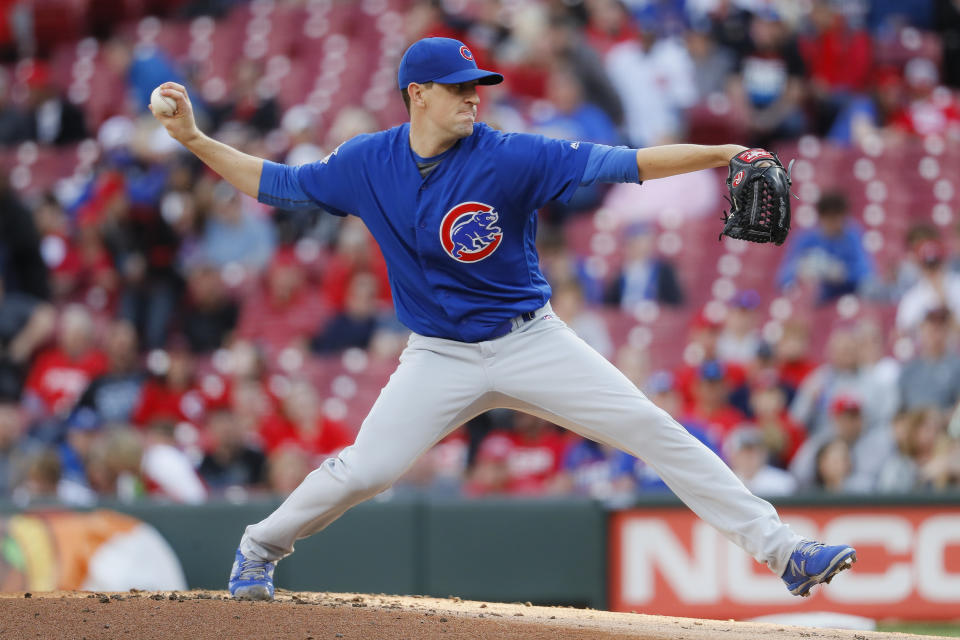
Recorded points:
(442,60)
(469,231)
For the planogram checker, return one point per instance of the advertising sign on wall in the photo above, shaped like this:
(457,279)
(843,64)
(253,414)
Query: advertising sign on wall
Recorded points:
(669,562)
(97,551)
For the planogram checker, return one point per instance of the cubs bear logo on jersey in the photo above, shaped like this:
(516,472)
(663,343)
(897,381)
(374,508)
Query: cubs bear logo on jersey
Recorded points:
(469,233)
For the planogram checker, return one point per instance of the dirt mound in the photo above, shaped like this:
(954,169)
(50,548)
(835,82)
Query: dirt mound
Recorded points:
(206,615)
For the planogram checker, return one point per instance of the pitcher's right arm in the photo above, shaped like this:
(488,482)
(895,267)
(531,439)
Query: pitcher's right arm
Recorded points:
(241,170)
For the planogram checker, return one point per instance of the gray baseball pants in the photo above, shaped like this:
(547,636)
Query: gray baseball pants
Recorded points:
(541,368)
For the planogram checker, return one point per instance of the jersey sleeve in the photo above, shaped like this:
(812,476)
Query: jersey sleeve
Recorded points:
(611,164)
(541,169)
(280,187)
(329,183)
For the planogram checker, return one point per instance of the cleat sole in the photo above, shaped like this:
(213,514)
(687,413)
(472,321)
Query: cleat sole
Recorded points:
(256,592)
(842,565)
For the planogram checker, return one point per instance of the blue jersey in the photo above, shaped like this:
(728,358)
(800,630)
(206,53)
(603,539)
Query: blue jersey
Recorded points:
(459,244)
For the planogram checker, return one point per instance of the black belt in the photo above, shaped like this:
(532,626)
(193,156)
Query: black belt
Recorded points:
(516,322)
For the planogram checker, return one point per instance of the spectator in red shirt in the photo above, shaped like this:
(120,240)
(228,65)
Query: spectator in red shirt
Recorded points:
(791,355)
(60,374)
(302,422)
(704,347)
(781,435)
(248,398)
(609,23)
(356,252)
(170,395)
(839,60)
(26,325)
(81,268)
(524,461)
(711,401)
(932,108)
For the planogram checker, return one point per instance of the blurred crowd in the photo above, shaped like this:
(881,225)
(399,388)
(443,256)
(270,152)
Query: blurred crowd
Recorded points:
(162,335)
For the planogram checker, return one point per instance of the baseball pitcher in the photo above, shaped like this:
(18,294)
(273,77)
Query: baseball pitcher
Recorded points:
(452,204)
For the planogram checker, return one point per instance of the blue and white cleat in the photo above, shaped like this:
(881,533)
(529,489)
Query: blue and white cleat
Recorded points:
(251,579)
(814,562)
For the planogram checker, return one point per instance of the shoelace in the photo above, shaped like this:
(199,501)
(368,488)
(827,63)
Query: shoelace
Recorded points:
(810,547)
(807,548)
(252,570)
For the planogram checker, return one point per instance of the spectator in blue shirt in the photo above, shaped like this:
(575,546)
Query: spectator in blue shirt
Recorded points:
(568,115)
(234,233)
(830,256)
(82,428)
(644,275)
(598,471)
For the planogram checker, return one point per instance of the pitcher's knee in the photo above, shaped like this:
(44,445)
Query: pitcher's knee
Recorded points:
(360,482)
(366,486)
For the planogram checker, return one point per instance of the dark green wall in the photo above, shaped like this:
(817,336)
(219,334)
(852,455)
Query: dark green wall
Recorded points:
(546,551)
(543,551)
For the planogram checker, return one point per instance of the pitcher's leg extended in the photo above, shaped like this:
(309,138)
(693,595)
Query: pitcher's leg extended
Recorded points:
(430,393)
(556,375)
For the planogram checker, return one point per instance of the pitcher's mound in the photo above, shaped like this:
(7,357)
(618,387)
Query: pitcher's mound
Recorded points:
(212,615)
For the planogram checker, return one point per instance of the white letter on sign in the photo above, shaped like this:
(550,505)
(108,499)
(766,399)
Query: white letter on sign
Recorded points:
(650,545)
(935,535)
(893,533)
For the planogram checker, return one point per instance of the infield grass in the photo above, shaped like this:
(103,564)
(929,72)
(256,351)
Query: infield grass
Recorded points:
(946,630)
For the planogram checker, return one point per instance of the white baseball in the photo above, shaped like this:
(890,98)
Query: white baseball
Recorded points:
(162,105)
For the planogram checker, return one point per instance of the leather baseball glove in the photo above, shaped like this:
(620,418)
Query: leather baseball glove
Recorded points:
(759,189)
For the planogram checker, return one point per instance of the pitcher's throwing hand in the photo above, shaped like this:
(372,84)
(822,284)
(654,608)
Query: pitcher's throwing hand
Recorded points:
(181,125)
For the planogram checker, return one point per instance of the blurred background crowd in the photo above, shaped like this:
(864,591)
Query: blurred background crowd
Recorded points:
(163,336)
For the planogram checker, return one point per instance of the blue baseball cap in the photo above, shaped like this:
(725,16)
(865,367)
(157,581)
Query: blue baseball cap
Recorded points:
(442,60)
(661,382)
(712,371)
